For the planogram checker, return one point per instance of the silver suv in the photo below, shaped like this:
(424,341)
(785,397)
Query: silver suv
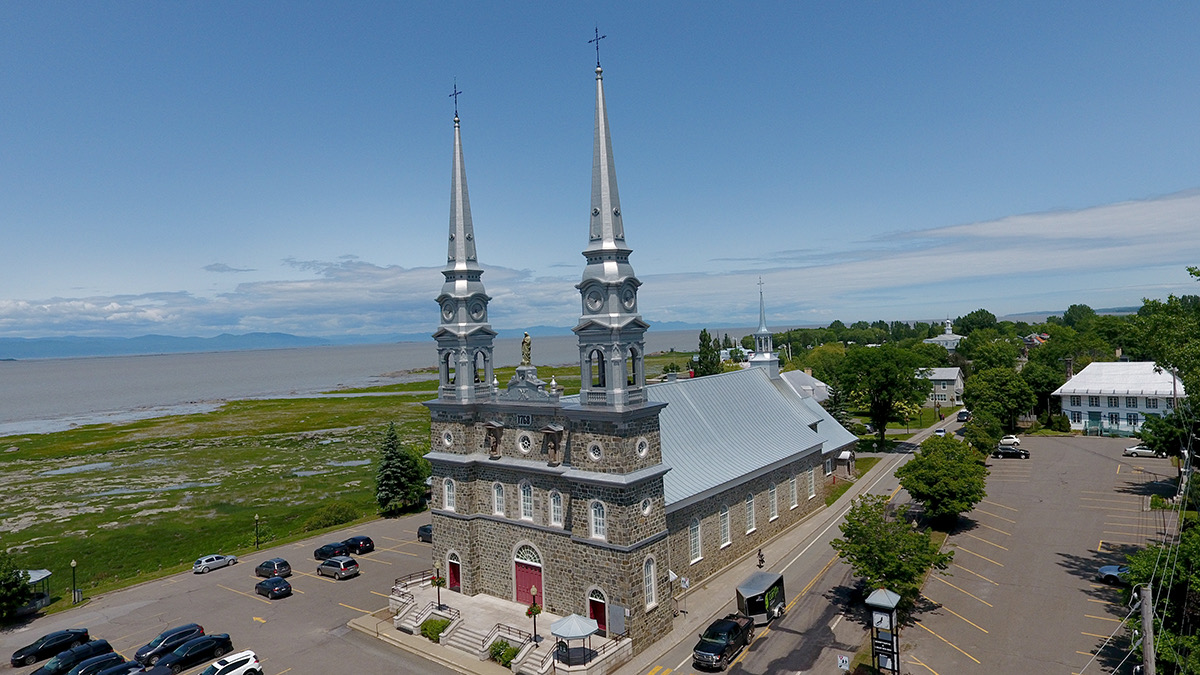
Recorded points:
(338,567)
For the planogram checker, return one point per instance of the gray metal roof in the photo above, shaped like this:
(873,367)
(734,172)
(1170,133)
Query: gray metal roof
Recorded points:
(1124,378)
(718,430)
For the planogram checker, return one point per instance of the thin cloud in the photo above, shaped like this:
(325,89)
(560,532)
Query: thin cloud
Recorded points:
(223,268)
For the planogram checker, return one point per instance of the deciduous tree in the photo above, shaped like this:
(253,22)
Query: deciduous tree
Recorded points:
(884,377)
(14,587)
(885,550)
(1000,391)
(947,477)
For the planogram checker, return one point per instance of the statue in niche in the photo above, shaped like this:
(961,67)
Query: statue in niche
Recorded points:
(494,442)
(526,350)
(552,447)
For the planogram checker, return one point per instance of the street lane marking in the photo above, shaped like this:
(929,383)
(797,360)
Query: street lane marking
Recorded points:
(918,662)
(255,596)
(986,541)
(354,608)
(976,574)
(989,513)
(655,669)
(950,643)
(1001,506)
(963,591)
(963,548)
(1103,618)
(996,529)
(955,613)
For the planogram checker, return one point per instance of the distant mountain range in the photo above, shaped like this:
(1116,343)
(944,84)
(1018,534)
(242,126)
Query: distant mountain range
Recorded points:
(74,346)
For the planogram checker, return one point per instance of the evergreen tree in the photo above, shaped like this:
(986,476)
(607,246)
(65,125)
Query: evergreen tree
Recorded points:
(14,587)
(836,405)
(400,479)
(709,362)
(727,342)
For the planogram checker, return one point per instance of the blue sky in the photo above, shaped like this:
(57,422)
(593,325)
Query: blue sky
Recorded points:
(193,168)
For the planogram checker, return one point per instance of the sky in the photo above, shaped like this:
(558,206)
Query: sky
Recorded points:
(198,168)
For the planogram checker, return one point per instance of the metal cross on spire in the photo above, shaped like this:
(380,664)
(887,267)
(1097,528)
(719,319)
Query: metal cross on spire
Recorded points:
(597,40)
(760,285)
(454,95)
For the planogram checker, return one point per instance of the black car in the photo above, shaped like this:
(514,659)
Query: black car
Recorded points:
(275,587)
(360,544)
(330,550)
(1010,451)
(166,642)
(48,645)
(194,652)
(425,533)
(97,664)
(63,662)
(275,567)
(126,668)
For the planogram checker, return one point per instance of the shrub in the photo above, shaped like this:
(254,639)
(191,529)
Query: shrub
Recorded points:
(432,628)
(1157,502)
(333,513)
(503,653)
(1062,423)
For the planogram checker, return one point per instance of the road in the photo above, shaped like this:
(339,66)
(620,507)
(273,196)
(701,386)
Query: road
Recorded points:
(301,634)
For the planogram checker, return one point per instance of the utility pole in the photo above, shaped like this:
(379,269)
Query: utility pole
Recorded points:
(1147,631)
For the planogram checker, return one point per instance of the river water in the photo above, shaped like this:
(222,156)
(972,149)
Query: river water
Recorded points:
(45,395)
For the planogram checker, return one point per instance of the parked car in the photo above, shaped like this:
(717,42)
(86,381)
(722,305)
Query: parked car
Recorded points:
(1113,574)
(359,544)
(330,550)
(425,533)
(1140,451)
(1010,440)
(194,652)
(126,668)
(166,642)
(275,567)
(48,645)
(212,562)
(97,664)
(275,587)
(939,432)
(63,662)
(338,567)
(722,641)
(964,415)
(1010,451)
(241,663)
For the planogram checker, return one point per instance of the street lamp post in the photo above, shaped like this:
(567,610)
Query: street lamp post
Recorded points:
(533,592)
(256,532)
(438,582)
(74,592)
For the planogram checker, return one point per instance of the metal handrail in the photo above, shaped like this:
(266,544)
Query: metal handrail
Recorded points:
(404,581)
(512,632)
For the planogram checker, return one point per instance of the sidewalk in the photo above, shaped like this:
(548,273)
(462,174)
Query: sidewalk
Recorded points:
(379,625)
(715,596)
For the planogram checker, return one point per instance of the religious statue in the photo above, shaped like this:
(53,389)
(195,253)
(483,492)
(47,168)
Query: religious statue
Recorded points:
(526,350)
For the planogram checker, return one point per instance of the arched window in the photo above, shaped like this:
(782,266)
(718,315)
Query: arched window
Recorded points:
(749,513)
(631,375)
(498,499)
(773,499)
(556,508)
(792,493)
(526,501)
(449,358)
(694,539)
(528,554)
(725,525)
(648,586)
(599,526)
(448,496)
(480,366)
(596,367)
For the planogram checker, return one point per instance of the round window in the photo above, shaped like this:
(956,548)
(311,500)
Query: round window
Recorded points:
(646,507)
(447,438)
(525,443)
(595,451)
(643,446)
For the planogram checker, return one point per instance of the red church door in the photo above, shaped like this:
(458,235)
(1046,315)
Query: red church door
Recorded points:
(454,583)
(598,610)
(528,576)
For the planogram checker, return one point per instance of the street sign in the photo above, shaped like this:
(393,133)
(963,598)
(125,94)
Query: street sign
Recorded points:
(843,662)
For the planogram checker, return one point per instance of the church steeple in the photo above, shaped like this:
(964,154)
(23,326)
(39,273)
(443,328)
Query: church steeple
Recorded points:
(764,349)
(464,338)
(610,331)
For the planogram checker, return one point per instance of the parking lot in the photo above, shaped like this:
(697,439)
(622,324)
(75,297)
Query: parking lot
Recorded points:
(1022,596)
(300,634)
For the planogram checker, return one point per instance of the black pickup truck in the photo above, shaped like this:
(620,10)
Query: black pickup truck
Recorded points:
(722,641)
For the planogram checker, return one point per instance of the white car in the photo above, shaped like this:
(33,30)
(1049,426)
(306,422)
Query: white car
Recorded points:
(1140,451)
(212,562)
(939,432)
(242,663)
(1010,440)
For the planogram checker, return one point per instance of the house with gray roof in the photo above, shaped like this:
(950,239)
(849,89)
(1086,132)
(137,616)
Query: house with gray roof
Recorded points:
(1116,397)
(948,339)
(947,386)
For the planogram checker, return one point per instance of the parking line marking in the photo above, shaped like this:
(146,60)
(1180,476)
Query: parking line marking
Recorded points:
(314,576)
(1103,618)
(255,596)
(373,560)
(976,574)
(1001,506)
(986,541)
(918,662)
(654,670)
(1102,602)
(354,608)
(951,643)
(963,548)
(382,595)
(994,528)
(955,613)
(996,516)
(1108,508)
(282,672)
(1105,637)
(1118,501)
(963,591)
(129,635)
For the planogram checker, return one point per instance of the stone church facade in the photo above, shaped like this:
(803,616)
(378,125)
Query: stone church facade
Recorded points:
(594,504)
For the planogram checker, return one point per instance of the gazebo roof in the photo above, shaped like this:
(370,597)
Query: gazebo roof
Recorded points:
(574,627)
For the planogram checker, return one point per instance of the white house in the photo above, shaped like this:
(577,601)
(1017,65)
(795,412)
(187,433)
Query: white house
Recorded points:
(948,339)
(947,386)
(1116,397)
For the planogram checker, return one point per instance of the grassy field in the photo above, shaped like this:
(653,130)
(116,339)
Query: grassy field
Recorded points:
(131,502)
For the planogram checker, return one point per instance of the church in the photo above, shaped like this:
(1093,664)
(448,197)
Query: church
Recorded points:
(609,503)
